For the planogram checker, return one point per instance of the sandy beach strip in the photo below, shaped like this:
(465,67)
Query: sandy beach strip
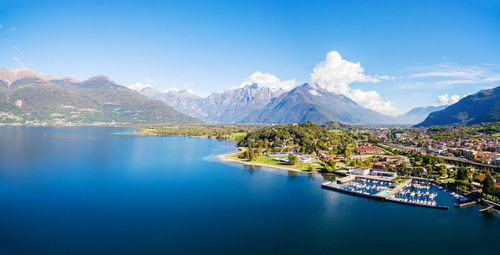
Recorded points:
(227,158)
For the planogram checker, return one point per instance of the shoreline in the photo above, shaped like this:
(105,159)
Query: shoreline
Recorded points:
(226,158)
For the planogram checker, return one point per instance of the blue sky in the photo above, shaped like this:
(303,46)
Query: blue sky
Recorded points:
(411,52)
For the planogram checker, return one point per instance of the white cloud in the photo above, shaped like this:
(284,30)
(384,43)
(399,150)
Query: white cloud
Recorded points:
(445,100)
(454,99)
(268,80)
(453,74)
(139,85)
(18,61)
(185,87)
(173,89)
(335,74)
(371,100)
(385,77)
(188,85)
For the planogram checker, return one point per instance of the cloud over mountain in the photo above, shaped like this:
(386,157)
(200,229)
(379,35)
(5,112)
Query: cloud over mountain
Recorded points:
(269,81)
(445,100)
(336,74)
(138,86)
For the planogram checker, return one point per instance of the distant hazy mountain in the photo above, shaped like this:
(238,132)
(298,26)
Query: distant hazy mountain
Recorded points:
(417,115)
(182,101)
(234,104)
(311,103)
(484,106)
(28,97)
(230,106)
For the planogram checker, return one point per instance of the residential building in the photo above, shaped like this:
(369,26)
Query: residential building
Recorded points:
(390,159)
(362,150)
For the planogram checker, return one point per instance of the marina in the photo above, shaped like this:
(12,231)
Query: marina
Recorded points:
(409,192)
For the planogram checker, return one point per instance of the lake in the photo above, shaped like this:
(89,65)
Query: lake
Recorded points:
(93,190)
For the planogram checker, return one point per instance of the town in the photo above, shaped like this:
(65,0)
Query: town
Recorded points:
(464,160)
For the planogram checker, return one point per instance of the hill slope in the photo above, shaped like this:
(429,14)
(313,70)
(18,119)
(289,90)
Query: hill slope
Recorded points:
(484,106)
(98,100)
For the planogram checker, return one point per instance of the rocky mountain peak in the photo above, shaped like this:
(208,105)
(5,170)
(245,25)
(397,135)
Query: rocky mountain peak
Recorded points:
(9,76)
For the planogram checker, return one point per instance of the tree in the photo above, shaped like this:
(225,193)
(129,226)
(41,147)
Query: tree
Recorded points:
(251,154)
(331,163)
(429,168)
(417,171)
(292,160)
(488,185)
(463,174)
(442,169)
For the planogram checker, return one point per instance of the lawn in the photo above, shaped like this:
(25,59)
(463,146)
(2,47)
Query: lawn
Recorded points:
(238,135)
(300,166)
(448,181)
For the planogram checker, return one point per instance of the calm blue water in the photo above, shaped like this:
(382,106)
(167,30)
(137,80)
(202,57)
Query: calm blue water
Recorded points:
(99,191)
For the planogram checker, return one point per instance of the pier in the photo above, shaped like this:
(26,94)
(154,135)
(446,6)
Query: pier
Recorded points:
(488,205)
(390,192)
(466,204)
(331,186)
(487,208)
(383,195)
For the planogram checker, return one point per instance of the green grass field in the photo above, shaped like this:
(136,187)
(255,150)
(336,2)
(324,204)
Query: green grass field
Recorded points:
(300,166)
(238,134)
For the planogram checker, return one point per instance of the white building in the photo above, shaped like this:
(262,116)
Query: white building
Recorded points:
(306,158)
(435,151)
(383,173)
(359,171)
(495,160)
(399,135)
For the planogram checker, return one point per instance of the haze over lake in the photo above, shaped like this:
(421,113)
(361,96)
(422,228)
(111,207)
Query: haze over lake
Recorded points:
(103,191)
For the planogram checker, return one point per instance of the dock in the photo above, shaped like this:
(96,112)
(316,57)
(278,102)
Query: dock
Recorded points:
(419,205)
(466,204)
(487,208)
(381,196)
(348,178)
(331,186)
(389,192)
(488,205)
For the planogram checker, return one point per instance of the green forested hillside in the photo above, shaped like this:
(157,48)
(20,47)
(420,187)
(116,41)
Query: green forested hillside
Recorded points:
(308,135)
(95,101)
(481,107)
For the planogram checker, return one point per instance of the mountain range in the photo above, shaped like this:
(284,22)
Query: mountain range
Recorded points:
(256,104)
(312,103)
(29,97)
(483,106)
(231,105)
(417,115)
(32,98)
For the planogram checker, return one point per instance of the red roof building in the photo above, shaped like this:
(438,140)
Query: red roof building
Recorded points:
(368,150)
